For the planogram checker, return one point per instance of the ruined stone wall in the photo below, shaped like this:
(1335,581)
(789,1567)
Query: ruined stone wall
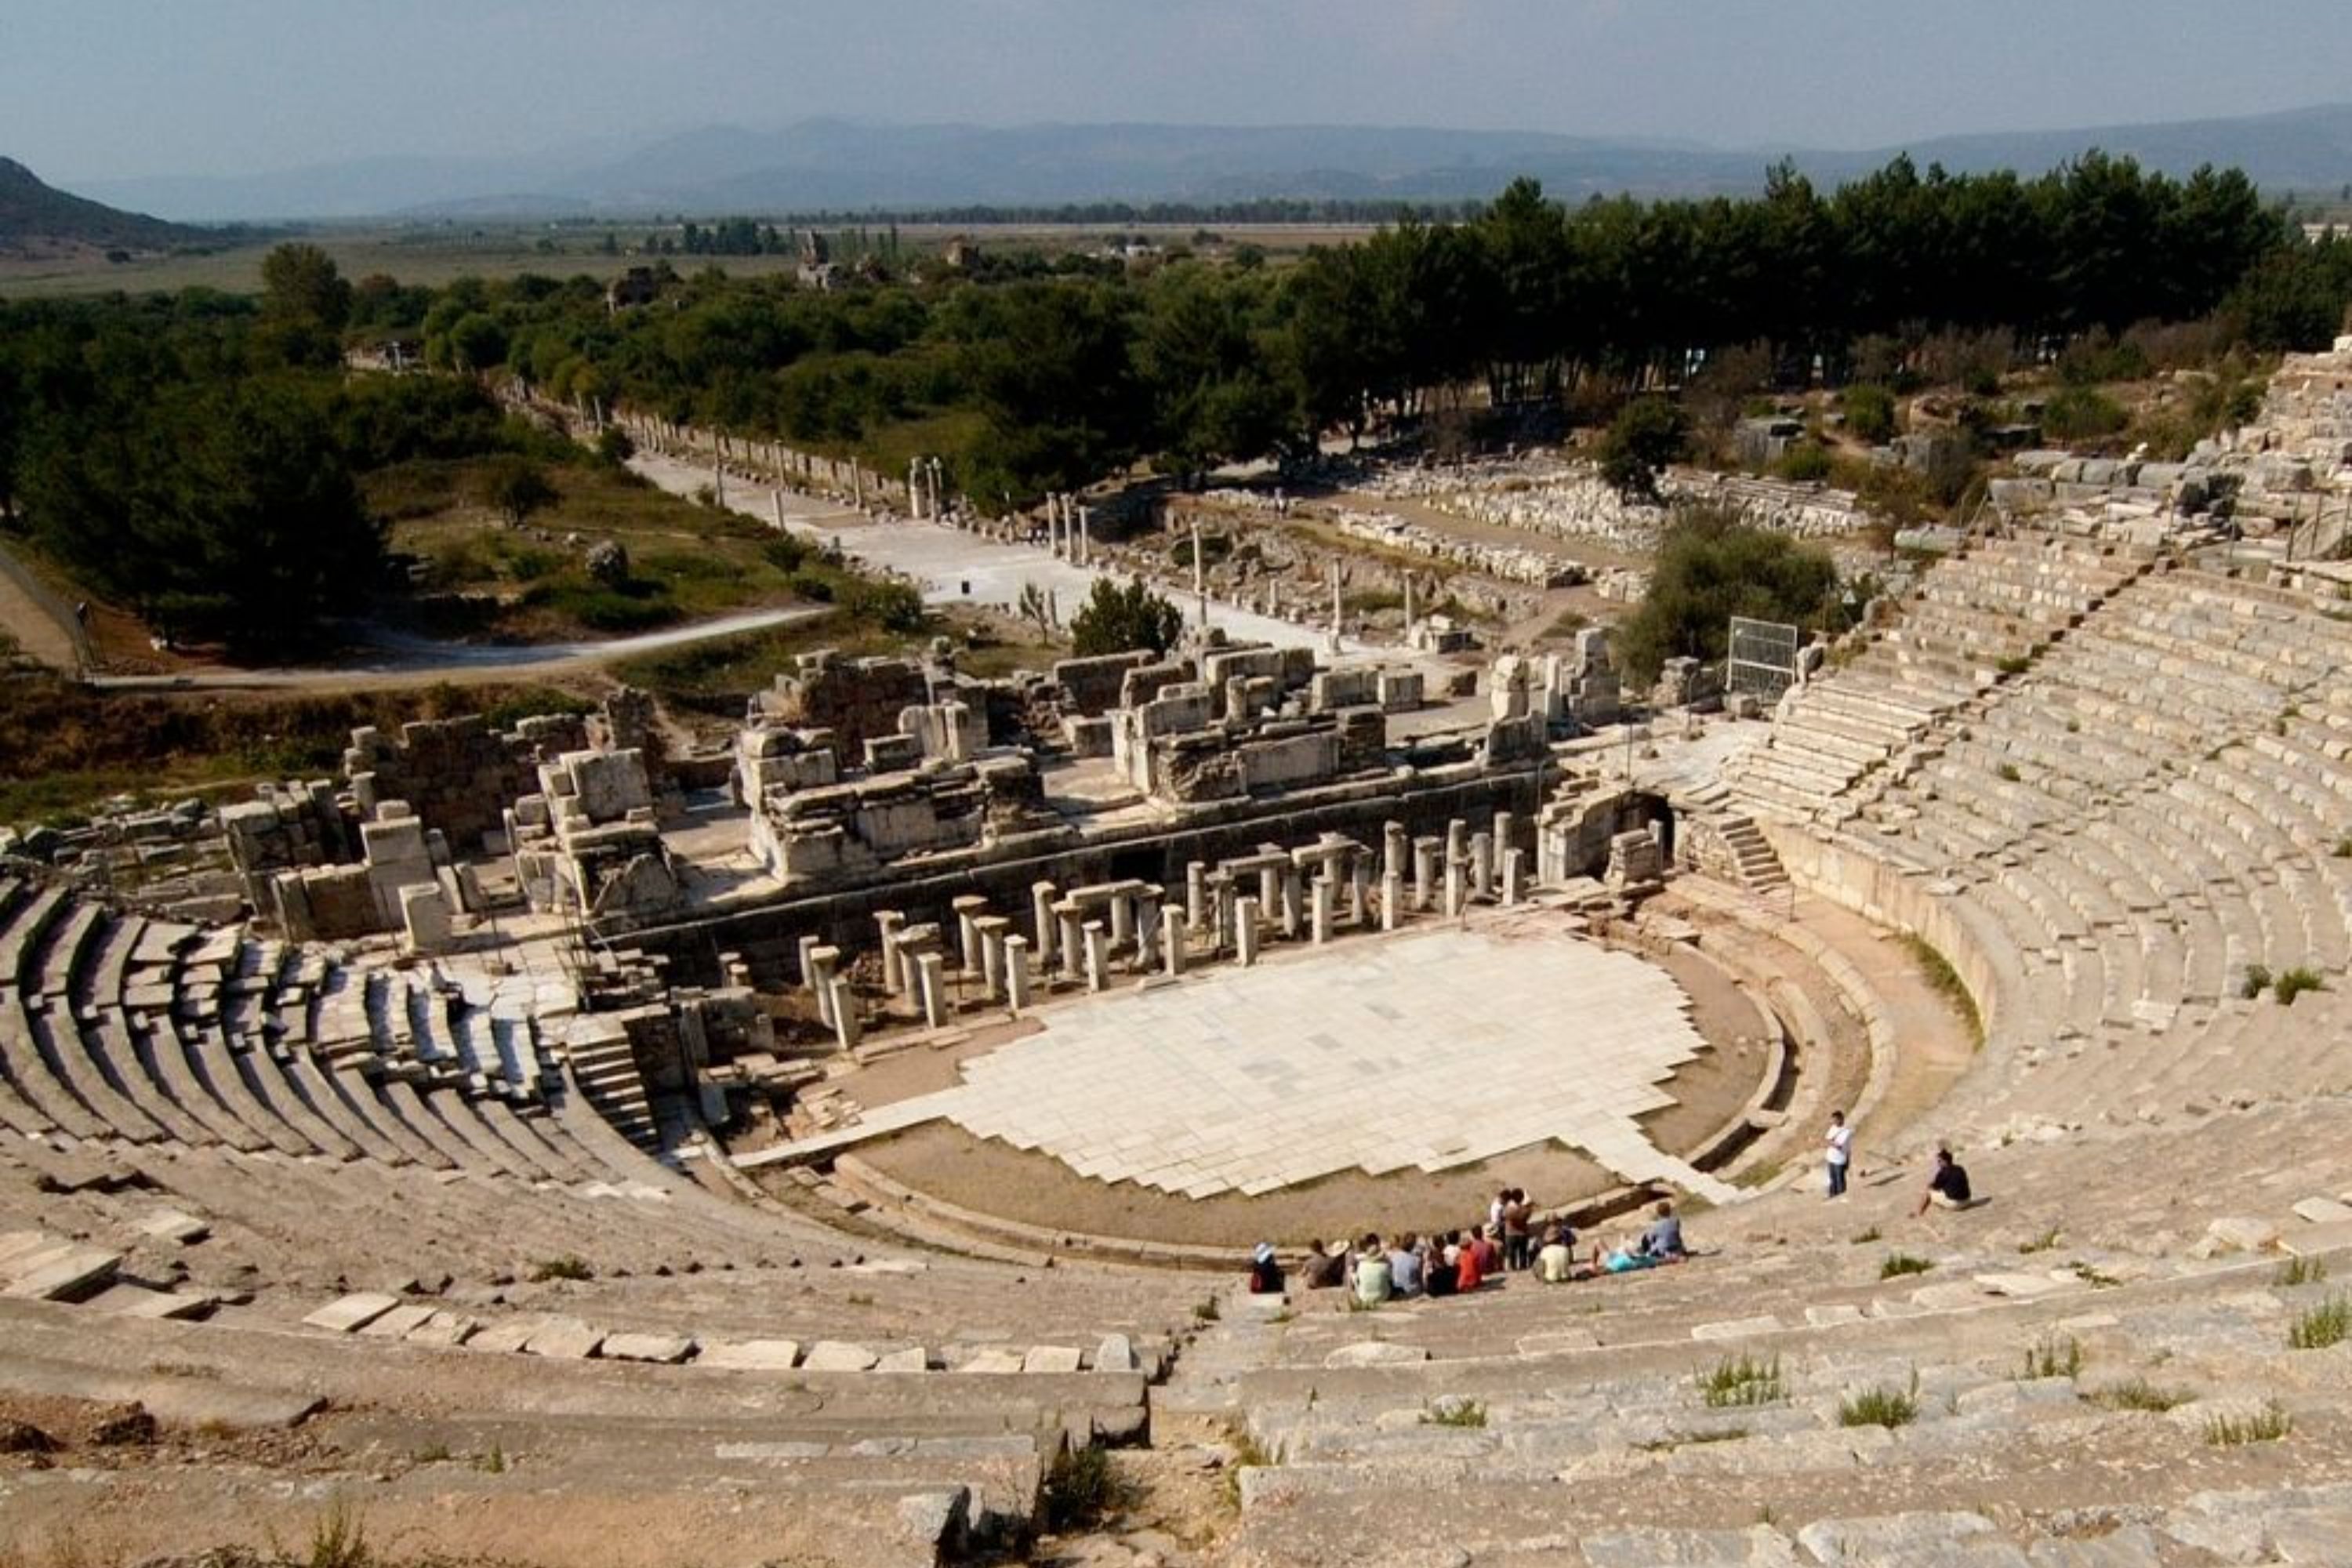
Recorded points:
(459,775)
(856,698)
(767,936)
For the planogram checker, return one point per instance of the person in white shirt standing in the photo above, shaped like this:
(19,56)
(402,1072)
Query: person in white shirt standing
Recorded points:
(1840,1143)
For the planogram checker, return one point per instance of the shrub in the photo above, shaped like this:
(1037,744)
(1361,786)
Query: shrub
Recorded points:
(1870,414)
(1807,462)
(1864,1237)
(2137,1394)
(1083,1487)
(1886,1407)
(2007,772)
(893,607)
(1455,1411)
(1898,1264)
(1740,1380)
(2054,1355)
(2042,1243)
(568,1267)
(2294,984)
(2303,1271)
(2082,414)
(2257,981)
(2267,1424)
(2318,1328)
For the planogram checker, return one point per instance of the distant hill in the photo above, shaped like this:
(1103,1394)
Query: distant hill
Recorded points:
(39,220)
(835,164)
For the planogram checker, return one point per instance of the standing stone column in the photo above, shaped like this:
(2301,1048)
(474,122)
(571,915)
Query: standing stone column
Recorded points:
(1501,827)
(1269,887)
(1086,535)
(809,944)
(1245,931)
(1196,893)
(822,962)
(1172,940)
(932,969)
(846,1030)
(1016,974)
(1395,845)
(1457,840)
(894,974)
(915,488)
(1122,920)
(991,930)
(1360,890)
(1150,919)
(1392,901)
(1424,873)
(1514,870)
(967,911)
(1291,900)
(1482,865)
(1322,902)
(1456,887)
(1074,942)
(1097,942)
(1041,923)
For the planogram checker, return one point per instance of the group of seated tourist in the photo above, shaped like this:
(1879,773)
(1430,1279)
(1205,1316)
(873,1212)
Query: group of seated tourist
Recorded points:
(1462,1262)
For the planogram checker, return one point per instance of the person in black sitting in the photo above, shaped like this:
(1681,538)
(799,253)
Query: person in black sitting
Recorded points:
(1948,1186)
(1265,1271)
(1441,1271)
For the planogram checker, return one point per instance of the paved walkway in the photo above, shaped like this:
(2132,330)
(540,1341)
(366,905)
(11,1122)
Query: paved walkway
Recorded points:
(955,567)
(1427,1050)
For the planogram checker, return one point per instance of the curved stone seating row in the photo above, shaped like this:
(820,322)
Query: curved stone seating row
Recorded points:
(2145,817)
(817,1466)
(1550,1415)
(1967,621)
(115,1028)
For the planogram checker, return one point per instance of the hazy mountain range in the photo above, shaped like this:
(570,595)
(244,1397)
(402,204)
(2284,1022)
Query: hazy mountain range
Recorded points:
(839,164)
(38,220)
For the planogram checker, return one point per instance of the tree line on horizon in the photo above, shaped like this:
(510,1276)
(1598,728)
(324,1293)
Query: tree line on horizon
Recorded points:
(195,452)
(1037,373)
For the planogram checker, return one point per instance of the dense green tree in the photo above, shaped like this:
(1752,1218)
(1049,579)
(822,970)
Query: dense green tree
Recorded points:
(1116,618)
(516,488)
(1647,434)
(1710,569)
(221,510)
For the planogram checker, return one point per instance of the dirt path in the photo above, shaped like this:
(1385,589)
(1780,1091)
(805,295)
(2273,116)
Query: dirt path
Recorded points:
(28,623)
(399,659)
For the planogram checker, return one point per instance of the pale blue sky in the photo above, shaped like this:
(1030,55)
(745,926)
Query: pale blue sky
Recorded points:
(112,89)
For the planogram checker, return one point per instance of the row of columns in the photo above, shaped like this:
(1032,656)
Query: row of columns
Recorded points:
(1069,528)
(1080,936)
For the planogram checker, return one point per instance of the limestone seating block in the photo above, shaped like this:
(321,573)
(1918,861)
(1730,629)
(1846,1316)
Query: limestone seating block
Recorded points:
(750,1355)
(1371,1352)
(349,1314)
(444,1330)
(839,1355)
(506,1338)
(1051,1358)
(563,1339)
(399,1322)
(913,1358)
(997,1359)
(1736,1328)
(2323,1211)
(668,1349)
